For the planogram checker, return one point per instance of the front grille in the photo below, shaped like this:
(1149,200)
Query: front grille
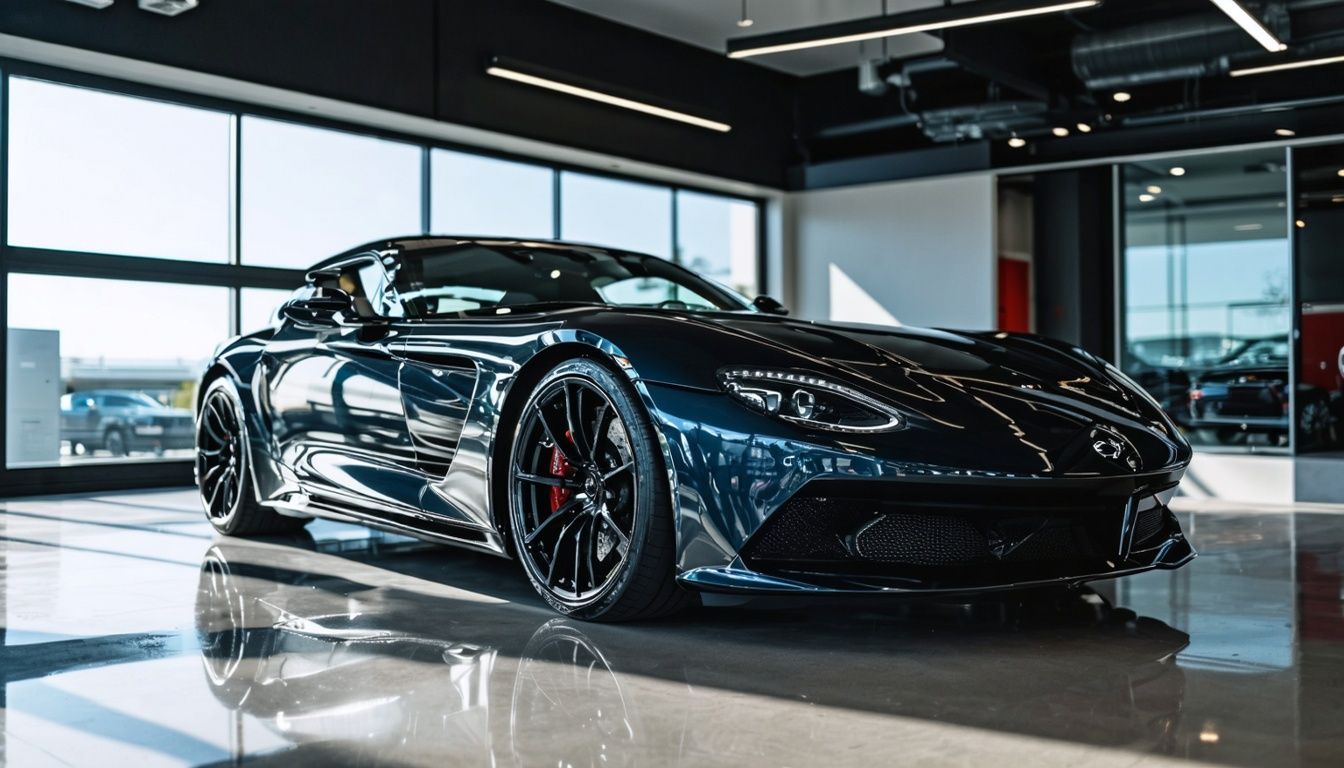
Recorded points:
(1148,524)
(920,540)
(948,534)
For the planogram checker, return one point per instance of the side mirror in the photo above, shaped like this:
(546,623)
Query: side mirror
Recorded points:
(769,306)
(321,310)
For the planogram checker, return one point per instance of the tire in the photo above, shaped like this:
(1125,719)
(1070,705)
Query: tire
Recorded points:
(590,511)
(1316,427)
(115,442)
(223,470)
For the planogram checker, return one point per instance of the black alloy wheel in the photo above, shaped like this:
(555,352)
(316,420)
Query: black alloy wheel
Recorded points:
(223,472)
(589,508)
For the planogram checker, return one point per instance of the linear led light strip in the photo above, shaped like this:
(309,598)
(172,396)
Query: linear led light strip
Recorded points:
(908,29)
(606,98)
(1253,26)
(1287,65)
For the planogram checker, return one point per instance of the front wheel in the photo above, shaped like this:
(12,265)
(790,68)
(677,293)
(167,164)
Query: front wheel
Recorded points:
(222,471)
(115,442)
(589,506)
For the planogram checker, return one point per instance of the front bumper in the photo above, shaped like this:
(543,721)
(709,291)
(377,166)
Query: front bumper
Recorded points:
(961,537)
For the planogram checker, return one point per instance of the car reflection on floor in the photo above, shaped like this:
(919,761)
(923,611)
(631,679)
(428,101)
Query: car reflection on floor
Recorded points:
(335,666)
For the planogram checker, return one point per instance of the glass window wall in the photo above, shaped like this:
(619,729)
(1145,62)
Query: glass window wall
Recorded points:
(1205,305)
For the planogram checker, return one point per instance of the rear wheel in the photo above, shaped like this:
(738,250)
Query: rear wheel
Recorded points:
(222,471)
(590,511)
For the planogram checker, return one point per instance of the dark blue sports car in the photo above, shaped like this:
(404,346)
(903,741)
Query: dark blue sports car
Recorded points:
(634,434)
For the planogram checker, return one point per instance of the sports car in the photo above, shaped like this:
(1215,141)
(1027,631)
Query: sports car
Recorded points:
(637,436)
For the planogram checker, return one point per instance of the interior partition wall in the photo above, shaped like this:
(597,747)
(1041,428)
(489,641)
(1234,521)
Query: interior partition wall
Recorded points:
(140,227)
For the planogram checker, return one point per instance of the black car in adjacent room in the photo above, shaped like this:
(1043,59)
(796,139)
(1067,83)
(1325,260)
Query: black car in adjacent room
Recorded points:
(1247,393)
(633,433)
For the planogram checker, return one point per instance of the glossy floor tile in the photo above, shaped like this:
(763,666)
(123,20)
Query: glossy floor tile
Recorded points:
(134,636)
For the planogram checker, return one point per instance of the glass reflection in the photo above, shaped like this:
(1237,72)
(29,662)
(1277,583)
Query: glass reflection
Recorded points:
(1318,232)
(1206,294)
(324,662)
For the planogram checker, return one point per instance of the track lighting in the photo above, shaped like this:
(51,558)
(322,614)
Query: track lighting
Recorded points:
(1300,64)
(1253,26)
(528,74)
(910,22)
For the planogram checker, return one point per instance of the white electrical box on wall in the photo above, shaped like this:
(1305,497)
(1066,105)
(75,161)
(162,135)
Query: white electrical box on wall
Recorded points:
(33,409)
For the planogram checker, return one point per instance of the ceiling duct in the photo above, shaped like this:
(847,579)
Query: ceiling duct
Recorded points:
(1173,49)
(994,120)
(991,120)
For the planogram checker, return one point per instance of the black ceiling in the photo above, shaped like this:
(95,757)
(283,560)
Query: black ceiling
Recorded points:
(1025,77)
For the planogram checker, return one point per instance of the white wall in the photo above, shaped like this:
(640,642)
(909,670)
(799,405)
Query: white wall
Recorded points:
(914,252)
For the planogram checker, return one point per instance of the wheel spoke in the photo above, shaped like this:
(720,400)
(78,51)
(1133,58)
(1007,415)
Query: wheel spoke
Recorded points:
(557,439)
(598,428)
(221,415)
(561,511)
(230,490)
(210,428)
(572,415)
(553,482)
(622,541)
(623,468)
(555,552)
(592,547)
(214,472)
(578,559)
(214,494)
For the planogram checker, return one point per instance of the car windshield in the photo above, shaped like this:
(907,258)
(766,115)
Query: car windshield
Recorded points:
(493,278)
(1260,352)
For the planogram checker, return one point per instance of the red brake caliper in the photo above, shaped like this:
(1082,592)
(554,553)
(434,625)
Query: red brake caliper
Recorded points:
(560,467)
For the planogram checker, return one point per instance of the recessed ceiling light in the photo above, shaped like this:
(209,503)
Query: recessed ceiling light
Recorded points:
(1284,132)
(1017,142)
(1301,224)
(1146,198)
(906,23)
(1060,131)
(1084,128)
(1177,171)
(1121,96)
(1253,26)
(1340,173)
(1153,189)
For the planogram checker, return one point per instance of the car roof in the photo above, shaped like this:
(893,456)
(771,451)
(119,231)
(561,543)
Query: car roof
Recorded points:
(409,244)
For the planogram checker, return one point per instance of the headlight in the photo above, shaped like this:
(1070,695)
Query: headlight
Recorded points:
(809,400)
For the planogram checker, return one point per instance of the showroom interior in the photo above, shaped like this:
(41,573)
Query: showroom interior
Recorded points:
(1156,184)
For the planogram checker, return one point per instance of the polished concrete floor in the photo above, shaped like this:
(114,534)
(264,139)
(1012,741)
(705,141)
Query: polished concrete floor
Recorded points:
(134,636)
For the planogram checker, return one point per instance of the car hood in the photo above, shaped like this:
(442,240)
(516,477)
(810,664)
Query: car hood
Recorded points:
(1013,391)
